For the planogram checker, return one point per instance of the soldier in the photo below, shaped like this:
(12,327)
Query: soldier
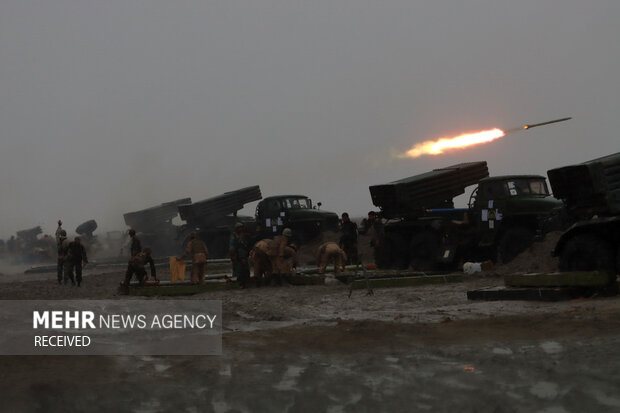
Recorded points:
(136,247)
(239,251)
(136,266)
(61,245)
(375,228)
(280,252)
(348,240)
(197,248)
(58,231)
(330,251)
(261,262)
(75,257)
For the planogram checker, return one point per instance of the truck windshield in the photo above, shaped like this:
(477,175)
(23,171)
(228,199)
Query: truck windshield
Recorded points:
(527,187)
(297,203)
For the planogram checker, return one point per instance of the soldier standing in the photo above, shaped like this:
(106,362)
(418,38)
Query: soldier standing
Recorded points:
(239,251)
(61,244)
(376,235)
(136,247)
(198,250)
(348,240)
(58,231)
(75,258)
(136,266)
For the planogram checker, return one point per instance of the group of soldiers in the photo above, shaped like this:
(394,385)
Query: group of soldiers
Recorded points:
(71,256)
(272,260)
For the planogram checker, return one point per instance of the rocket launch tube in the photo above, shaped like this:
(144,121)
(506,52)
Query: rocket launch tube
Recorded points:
(545,123)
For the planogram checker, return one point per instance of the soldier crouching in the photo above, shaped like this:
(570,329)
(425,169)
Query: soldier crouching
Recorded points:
(136,266)
(330,251)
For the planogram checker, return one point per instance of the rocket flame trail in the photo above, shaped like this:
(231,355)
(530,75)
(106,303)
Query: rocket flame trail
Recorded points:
(438,146)
(463,141)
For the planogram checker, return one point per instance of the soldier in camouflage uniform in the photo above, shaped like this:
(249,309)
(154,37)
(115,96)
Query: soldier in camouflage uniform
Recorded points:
(281,251)
(198,250)
(261,262)
(330,251)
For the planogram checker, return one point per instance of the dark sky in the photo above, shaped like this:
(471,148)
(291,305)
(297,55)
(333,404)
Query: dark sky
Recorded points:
(112,106)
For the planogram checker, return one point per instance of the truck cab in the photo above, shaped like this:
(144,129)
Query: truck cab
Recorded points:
(296,212)
(509,211)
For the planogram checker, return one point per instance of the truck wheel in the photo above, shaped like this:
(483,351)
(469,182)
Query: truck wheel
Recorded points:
(514,242)
(587,252)
(423,249)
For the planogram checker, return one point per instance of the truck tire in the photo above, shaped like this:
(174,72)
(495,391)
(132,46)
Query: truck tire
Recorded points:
(514,242)
(423,250)
(586,252)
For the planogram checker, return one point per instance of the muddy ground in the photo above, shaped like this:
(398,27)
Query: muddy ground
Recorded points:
(314,348)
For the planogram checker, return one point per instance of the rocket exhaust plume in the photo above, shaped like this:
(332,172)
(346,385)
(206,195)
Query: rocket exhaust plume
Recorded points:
(440,145)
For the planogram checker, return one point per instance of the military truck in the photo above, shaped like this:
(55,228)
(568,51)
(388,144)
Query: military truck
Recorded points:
(214,218)
(591,194)
(426,232)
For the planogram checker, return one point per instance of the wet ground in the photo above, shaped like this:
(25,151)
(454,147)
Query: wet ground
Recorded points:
(314,348)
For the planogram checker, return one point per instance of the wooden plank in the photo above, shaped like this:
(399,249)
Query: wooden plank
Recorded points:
(396,282)
(563,279)
(171,289)
(540,294)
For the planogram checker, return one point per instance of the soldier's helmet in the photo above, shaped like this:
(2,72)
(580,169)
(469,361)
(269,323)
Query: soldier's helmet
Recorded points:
(238,225)
(287,232)
(63,234)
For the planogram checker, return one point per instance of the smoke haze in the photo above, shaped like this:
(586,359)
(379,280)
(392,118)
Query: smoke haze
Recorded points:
(110,107)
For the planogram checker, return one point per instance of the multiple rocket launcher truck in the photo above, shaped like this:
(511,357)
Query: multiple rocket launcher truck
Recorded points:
(214,219)
(591,195)
(426,232)
(504,216)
